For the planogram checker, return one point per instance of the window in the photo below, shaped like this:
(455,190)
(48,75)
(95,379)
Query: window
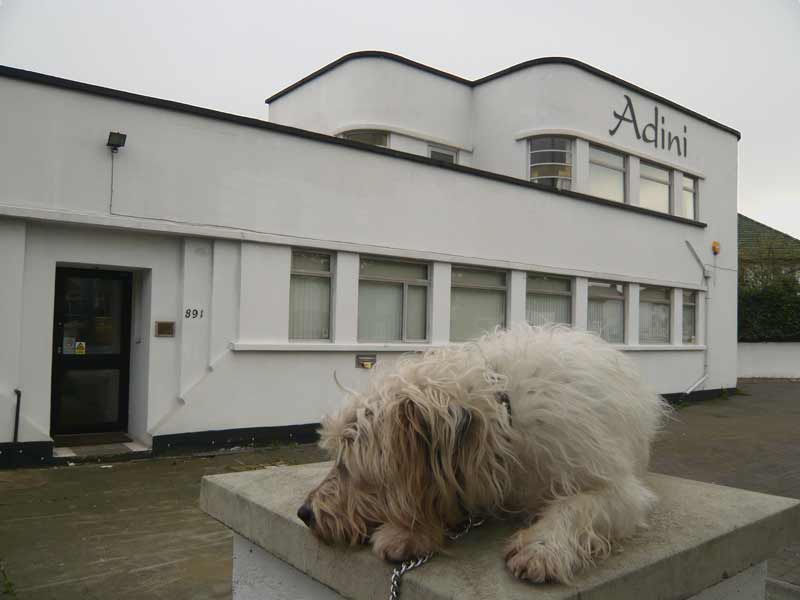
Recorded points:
(549,300)
(606,174)
(654,186)
(607,311)
(654,315)
(477,302)
(689,197)
(551,161)
(310,296)
(366,136)
(392,301)
(443,155)
(689,317)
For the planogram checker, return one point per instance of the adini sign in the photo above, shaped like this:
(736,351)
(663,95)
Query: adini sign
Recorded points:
(653,132)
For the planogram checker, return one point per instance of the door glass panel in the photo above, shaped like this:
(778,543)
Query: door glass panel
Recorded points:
(89,397)
(92,316)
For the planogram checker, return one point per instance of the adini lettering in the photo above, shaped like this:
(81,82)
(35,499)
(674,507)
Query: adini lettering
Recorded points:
(653,132)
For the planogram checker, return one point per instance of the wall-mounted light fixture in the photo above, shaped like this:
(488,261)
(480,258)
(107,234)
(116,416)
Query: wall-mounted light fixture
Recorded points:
(116,140)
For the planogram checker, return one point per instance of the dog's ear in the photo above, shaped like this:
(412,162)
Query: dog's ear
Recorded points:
(338,430)
(419,452)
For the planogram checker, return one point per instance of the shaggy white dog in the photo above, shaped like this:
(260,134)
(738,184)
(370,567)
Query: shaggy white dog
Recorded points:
(550,422)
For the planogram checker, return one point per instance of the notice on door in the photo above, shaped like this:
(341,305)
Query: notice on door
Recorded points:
(80,347)
(68,345)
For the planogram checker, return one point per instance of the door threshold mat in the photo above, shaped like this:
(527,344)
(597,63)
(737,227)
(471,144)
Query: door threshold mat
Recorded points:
(91,439)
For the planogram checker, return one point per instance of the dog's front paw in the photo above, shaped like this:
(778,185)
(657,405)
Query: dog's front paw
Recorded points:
(535,560)
(397,544)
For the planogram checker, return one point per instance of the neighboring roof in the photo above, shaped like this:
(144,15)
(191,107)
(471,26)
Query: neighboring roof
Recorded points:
(547,60)
(760,242)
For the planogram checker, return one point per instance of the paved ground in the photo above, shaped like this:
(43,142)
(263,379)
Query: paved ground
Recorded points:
(134,530)
(750,440)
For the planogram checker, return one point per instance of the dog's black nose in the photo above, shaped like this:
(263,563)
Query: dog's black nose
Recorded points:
(305,514)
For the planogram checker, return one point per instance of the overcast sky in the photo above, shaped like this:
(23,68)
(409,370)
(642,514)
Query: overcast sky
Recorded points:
(735,61)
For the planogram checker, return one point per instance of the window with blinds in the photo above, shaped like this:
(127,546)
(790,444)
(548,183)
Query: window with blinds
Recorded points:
(655,309)
(689,317)
(477,302)
(606,312)
(310,296)
(549,300)
(392,301)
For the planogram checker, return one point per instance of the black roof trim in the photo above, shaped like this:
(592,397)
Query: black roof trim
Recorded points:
(208,113)
(547,60)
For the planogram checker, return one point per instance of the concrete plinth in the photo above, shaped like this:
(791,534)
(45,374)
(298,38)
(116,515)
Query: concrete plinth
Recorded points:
(705,541)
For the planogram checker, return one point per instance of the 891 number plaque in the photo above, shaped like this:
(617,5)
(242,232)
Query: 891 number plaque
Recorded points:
(193,313)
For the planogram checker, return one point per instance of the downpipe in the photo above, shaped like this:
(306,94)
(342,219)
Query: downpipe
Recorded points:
(706,277)
(18,394)
(15,440)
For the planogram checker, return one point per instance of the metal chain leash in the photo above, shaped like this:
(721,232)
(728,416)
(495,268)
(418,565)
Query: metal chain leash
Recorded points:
(410,565)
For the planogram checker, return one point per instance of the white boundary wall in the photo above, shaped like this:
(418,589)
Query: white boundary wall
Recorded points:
(769,359)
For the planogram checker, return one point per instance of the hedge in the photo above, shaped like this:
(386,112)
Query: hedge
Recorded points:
(770,312)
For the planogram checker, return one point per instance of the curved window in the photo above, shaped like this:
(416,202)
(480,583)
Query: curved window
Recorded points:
(551,161)
(368,136)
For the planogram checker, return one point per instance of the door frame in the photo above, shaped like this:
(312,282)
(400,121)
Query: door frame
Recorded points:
(121,361)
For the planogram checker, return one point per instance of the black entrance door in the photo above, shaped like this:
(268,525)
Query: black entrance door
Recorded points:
(91,351)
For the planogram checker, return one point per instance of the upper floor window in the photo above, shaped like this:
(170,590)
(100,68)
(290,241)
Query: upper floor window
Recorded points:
(654,187)
(310,296)
(606,174)
(607,311)
(445,155)
(551,161)
(368,136)
(654,315)
(689,197)
(392,301)
(477,302)
(549,300)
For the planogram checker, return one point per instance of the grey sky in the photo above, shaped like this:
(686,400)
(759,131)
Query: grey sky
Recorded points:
(736,61)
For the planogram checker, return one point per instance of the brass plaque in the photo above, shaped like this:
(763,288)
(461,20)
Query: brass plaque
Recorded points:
(165,328)
(366,361)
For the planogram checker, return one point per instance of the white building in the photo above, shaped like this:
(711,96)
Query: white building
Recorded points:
(201,285)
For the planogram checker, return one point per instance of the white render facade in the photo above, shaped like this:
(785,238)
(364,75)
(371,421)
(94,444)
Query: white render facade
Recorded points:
(205,211)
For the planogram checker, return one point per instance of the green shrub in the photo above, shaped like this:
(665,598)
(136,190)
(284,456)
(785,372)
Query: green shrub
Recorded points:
(769,310)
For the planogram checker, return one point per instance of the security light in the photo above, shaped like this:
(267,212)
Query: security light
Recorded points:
(116,140)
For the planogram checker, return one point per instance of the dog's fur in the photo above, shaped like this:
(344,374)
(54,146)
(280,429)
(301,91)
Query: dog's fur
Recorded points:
(430,444)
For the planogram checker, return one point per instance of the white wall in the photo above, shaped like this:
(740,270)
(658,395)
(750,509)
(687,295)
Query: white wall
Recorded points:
(770,359)
(50,245)
(382,94)
(12,273)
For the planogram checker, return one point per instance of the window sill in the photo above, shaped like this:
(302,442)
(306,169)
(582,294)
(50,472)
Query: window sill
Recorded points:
(415,347)
(659,347)
(328,347)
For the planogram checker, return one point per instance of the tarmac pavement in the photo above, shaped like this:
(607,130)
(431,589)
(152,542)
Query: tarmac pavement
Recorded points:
(133,529)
